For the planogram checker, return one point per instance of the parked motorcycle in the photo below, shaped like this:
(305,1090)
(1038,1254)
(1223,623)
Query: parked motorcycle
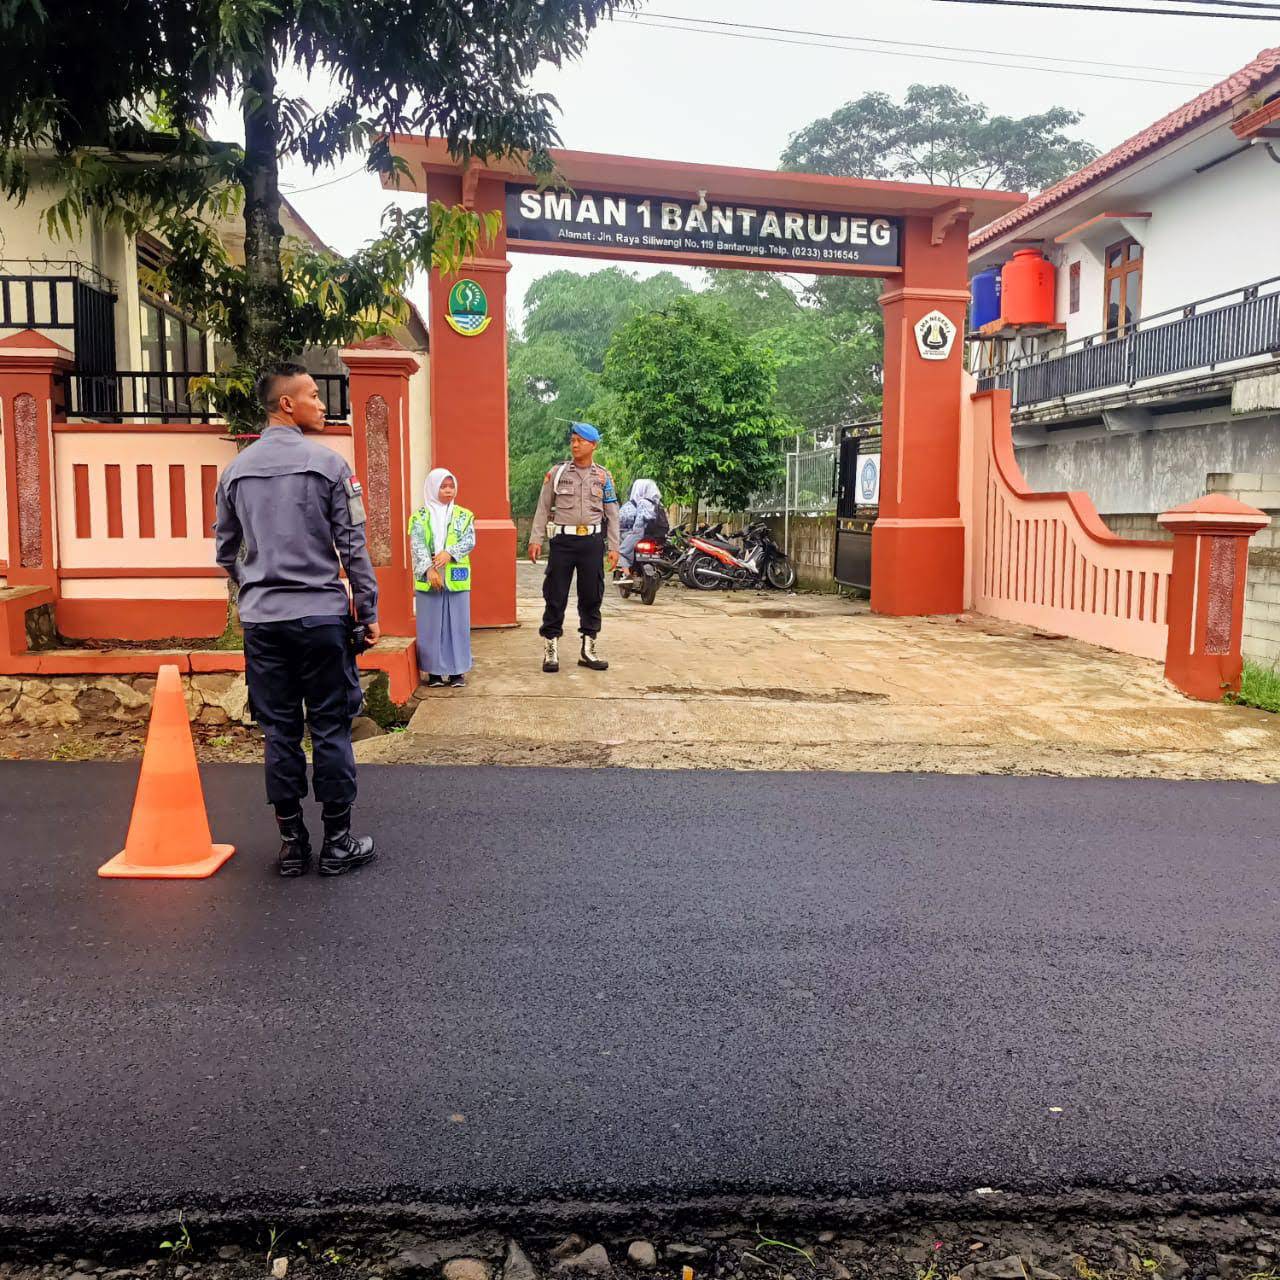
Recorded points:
(749,561)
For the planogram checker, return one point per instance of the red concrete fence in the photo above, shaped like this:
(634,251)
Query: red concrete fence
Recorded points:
(110,526)
(111,523)
(1047,560)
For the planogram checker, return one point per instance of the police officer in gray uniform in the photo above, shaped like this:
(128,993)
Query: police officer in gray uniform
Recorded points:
(298,511)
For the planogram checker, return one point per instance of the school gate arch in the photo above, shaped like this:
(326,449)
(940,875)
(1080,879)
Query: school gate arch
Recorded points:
(640,210)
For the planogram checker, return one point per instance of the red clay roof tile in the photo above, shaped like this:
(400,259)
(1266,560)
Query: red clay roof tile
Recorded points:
(1232,89)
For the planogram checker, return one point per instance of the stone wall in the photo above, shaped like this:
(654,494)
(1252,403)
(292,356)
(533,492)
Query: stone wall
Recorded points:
(214,699)
(218,698)
(42,631)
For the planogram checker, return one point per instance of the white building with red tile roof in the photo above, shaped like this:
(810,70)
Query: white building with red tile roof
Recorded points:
(1157,359)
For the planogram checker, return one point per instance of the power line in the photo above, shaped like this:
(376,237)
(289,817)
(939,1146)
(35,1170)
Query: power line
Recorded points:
(297,191)
(950,48)
(895,53)
(1105,8)
(1241,4)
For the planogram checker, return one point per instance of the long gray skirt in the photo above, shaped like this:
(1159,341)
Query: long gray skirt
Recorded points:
(444,632)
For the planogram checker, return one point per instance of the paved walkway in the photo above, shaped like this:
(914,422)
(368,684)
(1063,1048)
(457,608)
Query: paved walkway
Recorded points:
(770,681)
(623,985)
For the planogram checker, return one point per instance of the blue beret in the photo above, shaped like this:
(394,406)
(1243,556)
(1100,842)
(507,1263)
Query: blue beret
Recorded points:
(585,430)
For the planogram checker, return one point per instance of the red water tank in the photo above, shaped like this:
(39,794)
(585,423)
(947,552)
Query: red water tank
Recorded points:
(1026,289)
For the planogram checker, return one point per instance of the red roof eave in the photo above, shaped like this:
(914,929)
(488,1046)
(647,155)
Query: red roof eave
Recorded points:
(1222,96)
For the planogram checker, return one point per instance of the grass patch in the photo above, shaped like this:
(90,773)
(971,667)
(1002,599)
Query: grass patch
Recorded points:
(1259,687)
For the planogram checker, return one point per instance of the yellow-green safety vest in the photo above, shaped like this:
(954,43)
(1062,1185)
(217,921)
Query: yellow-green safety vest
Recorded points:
(456,574)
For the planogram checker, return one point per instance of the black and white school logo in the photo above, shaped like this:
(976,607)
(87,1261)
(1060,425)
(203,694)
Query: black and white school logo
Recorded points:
(869,479)
(935,336)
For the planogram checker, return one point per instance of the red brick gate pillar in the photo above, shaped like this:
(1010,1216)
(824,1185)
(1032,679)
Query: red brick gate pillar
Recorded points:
(469,398)
(30,403)
(1206,593)
(917,544)
(380,370)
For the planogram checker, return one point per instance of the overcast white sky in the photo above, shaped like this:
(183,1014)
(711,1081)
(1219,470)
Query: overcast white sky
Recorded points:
(719,99)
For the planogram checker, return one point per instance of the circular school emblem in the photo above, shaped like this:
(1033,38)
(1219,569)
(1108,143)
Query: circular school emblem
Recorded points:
(468,309)
(870,479)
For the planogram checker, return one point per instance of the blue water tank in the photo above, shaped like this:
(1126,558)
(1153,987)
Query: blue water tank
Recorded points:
(985,298)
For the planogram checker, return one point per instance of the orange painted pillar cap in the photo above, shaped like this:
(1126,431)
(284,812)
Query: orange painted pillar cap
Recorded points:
(1214,513)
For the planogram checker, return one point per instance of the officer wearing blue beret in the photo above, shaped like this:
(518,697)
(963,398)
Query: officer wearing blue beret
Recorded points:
(297,510)
(578,513)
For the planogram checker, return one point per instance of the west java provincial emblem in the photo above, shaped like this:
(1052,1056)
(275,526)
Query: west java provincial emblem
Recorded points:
(467,311)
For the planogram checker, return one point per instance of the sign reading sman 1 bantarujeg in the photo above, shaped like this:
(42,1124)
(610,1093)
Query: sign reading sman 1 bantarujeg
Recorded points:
(636,225)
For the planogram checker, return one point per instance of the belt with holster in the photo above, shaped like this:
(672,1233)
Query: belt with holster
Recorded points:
(576,530)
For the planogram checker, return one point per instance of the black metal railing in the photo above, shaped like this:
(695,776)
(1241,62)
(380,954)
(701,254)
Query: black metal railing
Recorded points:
(334,391)
(142,396)
(1237,325)
(126,396)
(63,302)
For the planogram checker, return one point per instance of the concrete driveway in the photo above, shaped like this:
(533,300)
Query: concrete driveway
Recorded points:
(772,681)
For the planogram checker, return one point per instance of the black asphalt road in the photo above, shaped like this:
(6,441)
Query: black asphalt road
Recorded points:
(613,985)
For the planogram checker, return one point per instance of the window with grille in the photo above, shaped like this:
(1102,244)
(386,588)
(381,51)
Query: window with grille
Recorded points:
(1073,288)
(173,348)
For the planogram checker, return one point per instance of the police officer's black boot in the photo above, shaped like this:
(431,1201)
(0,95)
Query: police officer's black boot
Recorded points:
(589,657)
(295,845)
(342,851)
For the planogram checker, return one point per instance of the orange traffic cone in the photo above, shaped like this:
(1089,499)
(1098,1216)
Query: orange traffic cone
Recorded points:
(169,831)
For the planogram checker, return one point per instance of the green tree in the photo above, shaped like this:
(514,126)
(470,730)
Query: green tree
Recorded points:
(695,403)
(555,362)
(937,134)
(117,98)
(824,333)
(585,311)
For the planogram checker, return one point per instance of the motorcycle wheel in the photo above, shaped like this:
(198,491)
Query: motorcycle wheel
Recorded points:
(698,577)
(781,573)
(649,587)
(624,590)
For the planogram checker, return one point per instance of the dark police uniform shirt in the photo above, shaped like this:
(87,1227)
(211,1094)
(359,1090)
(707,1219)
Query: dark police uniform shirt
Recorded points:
(583,496)
(297,508)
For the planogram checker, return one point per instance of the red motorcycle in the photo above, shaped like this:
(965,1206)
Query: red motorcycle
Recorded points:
(648,568)
(757,562)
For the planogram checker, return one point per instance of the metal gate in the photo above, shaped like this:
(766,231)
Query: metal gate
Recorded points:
(857,502)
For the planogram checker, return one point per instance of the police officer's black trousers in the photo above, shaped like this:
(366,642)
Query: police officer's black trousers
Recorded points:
(569,553)
(289,665)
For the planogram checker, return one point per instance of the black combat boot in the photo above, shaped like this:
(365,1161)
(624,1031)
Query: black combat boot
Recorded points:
(343,852)
(550,655)
(295,845)
(589,657)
